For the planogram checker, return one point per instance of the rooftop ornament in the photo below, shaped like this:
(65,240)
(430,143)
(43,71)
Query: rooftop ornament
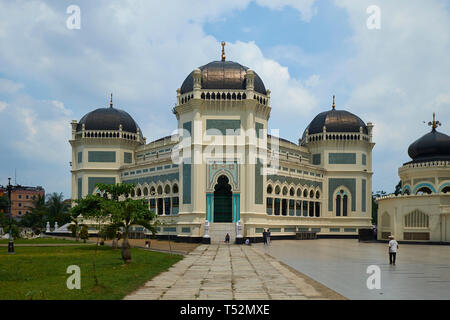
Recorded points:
(434,124)
(223,50)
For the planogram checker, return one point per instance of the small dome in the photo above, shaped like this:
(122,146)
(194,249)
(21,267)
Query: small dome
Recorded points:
(434,146)
(222,75)
(108,119)
(336,121)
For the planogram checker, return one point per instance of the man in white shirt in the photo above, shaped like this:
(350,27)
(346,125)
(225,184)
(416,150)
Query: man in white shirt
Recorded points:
(393,247)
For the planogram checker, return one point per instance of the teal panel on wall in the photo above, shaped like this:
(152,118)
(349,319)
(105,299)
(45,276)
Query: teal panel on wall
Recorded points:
(350,184)
(316,159)
(80,188)
(186,183)
(188,127)
(364,159)
(230,127)
(80,157)
(342,158)
(259,127)
(363,195)
(258,182)
(92,181)
(101,156)
(127,157)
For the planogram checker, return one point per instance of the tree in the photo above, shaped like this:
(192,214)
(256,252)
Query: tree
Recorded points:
(35,217)
(74,227)
(94,208)
(126,213)
(111,231)
(57,209)
(375,205)
(84,233)
(3,203)
(398,188)
(14,228)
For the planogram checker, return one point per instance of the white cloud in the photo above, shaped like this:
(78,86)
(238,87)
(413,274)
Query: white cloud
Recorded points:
(399,74)
(9,87)
(139,50)
(288,95)
(3,105)
(304,7)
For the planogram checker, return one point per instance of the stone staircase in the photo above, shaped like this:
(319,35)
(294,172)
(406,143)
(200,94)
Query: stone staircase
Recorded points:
(218,231)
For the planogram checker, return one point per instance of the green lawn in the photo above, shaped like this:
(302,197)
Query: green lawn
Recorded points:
(39,241)
(40,272)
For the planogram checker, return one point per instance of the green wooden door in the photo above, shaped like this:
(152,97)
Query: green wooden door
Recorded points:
(223,201)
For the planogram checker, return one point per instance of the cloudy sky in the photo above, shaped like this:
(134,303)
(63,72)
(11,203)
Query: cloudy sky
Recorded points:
(305,51)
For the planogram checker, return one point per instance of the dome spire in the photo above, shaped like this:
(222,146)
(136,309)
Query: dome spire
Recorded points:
(110,102)
(333,104)
(434,124)
(223,50)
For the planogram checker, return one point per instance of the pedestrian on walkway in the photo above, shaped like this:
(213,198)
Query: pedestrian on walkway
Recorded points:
(227,238)
(393,247)
(264,236)
(268,237)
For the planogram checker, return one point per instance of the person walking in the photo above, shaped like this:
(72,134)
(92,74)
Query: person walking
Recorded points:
(268,237)
(393,247)
(227,238)
(264,236)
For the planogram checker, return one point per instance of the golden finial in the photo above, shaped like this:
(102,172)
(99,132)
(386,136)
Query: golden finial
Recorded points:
(333,104)
(223,50)
(110,102)
(434,124)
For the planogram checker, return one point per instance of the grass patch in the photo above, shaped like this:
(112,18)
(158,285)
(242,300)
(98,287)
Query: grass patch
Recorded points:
(39,241)
(39,273)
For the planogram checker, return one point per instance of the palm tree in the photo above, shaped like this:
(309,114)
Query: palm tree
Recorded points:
(58,210)
(37,214)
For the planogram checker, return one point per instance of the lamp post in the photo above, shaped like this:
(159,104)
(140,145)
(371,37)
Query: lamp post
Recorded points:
(11,242)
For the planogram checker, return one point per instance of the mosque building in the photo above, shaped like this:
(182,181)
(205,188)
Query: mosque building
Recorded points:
(422,212)
(223,172)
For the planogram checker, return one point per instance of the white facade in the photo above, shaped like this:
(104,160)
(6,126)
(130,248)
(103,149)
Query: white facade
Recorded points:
(220,179)
(421,213)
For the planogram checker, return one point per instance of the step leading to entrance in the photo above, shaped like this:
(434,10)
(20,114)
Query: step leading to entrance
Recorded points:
(218,231)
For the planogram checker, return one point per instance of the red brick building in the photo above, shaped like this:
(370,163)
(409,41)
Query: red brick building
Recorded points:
(22,199)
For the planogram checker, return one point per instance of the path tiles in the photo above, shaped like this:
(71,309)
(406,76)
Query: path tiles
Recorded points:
(226,272)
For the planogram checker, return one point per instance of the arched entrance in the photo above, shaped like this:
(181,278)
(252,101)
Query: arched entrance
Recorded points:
(223,201)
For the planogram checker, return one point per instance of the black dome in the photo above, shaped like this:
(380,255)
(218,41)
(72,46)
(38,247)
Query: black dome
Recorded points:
(108,119)
(336,121)
(434,146)
(222,75)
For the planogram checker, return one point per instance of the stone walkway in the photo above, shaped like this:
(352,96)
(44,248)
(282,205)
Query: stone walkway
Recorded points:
(226,272)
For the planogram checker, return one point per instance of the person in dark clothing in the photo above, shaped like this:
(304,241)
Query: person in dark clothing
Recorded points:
(264,236)
(227,238)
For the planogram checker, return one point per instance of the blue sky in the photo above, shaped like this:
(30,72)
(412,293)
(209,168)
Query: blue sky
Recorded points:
(305,51)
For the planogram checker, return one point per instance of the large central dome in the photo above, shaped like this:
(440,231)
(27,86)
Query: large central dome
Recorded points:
(223,75)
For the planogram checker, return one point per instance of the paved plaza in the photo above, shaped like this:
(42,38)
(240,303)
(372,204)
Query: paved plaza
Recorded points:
(226,272)
(421,272)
